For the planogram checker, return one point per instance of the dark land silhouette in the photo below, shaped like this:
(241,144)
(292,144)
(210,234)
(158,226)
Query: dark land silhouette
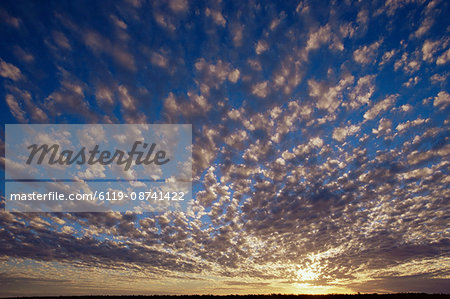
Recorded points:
(271,296)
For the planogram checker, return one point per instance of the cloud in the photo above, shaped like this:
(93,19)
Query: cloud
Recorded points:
(412,81)
(428,49)
(362,92)
(118,51)
(15,109)
(442,99)
(8,70)
(428,21)
(69,98)
(408,124)
(380,107)
(104,95)
(179,5)
(304,159)
(164,21)
(61,40)
(212,75)
(118,22)
(319,37)
(431,48)
(23,55)
(444,58)
(234,76)
(289,74)
(198,105)
(261,89)
(23,107)
(387,56)
(391,6)
(237,31)
(261,47)
(384,128)
(10,20)
(340,134)
(159,60)
(329,98)
(438,78)
(367,54)
(424,27)
(216,16)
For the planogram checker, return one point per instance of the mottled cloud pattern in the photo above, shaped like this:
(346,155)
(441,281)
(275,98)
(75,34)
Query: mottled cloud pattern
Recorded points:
(320,144)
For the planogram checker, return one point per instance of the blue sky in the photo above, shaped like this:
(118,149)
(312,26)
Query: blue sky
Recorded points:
(320,143)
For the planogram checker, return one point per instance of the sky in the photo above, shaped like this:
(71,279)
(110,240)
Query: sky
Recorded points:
(320,132)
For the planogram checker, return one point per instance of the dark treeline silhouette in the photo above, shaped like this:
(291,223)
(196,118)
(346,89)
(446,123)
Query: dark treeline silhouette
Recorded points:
(271,296)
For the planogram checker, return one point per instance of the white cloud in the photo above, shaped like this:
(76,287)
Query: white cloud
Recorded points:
(216,16)
(409,61)
(8,70)
(442,99)
(104,95)
(118,51)
(367,54)
(23,55)
(316,141)
(164,21)
(329,98)
(15,109)
(212,75)
(128,102)
(362,92)
(424,27)
(235,114)
(380,107)
(384,127)
(236,138)
(391,6)
(428,21)
(347,30)
(11,21)
(417,173)
(406,125)
(261,89)
(444,58)
(438,78)
(61,40)
(302,7)
(261,47)
(341,133)
(178,5)
(237,31)
(197,105)
(254,64)
(275,22)
(234,76)
(412,81)
(428,49)
(387,56)
(159,59)
(406,108)
(119,23)
(318,38)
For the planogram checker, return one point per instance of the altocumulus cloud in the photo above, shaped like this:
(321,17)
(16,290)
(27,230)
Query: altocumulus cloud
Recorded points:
(320,143)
